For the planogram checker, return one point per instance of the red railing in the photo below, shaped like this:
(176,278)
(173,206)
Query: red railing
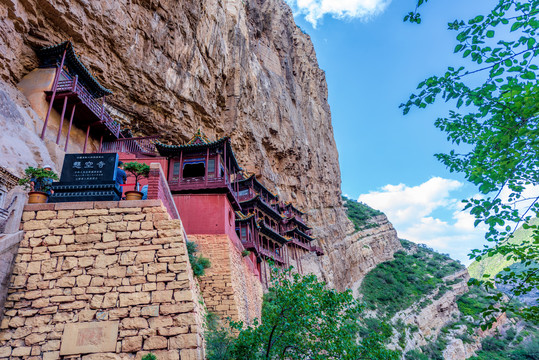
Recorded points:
(271,255)
(302,245)
(158,189)
(131,145)
(195,183)
(72,85)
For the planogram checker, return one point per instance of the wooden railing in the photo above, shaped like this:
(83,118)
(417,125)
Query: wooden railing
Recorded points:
(200,182)
(271,255)
(302,245)
(71,84)
(131,145)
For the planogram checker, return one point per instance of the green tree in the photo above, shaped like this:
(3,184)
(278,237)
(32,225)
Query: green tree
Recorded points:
(303,319)
(494,127)
(138,170)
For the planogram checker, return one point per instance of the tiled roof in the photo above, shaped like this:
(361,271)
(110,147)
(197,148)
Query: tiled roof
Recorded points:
(51,56)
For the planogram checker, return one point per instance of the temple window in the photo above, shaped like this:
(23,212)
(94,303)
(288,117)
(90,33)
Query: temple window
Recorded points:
(176,171)
(243,233)
(194,168)
(211,167)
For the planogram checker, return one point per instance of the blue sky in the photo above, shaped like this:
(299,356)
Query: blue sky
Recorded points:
(373,62)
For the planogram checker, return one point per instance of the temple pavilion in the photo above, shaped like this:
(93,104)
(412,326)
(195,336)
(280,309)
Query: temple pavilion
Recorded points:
(77,95)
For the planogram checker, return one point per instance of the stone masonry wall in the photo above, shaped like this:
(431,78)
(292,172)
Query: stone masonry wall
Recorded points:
(9,244)
(122,262)
(230,286)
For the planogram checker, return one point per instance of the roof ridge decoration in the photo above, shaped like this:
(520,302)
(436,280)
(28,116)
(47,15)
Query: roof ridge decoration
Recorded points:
(49,54)
(199,138)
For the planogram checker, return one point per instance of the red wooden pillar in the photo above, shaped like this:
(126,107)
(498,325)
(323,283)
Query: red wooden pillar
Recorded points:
(86,140)
(100,143)
(54,87)
(180,175)
(224,161)
(207,164)
(70,123)
(61,121)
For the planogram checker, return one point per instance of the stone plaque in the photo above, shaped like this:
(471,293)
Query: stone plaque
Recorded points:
(87,177)
(89,168)
(90,337)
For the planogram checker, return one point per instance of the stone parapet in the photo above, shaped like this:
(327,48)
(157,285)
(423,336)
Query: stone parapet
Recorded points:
(98,265)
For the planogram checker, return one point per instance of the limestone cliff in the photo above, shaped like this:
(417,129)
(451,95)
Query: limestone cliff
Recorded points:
(231,67)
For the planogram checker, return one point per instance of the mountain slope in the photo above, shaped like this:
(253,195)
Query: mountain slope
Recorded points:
(495,264)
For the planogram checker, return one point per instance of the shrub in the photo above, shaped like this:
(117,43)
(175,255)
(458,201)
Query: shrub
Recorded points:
(149,356)
(396,285)
(198,263)
(360,213)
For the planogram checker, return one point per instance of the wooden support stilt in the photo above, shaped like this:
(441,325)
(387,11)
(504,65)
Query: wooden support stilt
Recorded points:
(61,121)
(86,140)
(70,123)
(54,87)
(101,143)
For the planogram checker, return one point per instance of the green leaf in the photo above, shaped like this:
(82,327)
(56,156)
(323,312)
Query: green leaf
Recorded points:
(490,33)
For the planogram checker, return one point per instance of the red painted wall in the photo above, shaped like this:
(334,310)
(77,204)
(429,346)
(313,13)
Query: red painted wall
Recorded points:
(206,214)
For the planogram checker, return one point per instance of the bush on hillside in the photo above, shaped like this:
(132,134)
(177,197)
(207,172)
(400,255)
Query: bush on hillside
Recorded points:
(360,213)
(396,285)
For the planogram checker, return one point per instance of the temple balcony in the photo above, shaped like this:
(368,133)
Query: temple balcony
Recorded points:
(302,245)
(139,145)
(271,255)
(91,111)
(248,245)
(205,184)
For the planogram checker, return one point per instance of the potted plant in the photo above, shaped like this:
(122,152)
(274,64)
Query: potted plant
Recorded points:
(138,170)
(39,182)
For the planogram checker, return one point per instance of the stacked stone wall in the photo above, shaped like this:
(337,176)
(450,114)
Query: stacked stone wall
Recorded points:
(230,287)
(9,244)
(121,263)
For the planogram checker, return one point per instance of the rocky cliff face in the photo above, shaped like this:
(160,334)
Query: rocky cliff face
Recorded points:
(231,67)
(353,256)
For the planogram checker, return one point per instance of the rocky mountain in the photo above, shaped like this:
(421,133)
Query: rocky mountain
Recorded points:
(230,67)
(424,297)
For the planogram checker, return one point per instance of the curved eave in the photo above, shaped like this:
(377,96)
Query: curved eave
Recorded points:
(243,218)
(50,55)
(174,150)
(259,185)
(256,201)
(298,223)
(271,233)
(300,233)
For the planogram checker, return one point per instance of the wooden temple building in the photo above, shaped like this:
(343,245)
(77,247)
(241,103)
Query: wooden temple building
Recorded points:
(77,95)
(215,196)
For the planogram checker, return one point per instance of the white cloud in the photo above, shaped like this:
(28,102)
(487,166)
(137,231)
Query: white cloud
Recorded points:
(314,10)
(411,208)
